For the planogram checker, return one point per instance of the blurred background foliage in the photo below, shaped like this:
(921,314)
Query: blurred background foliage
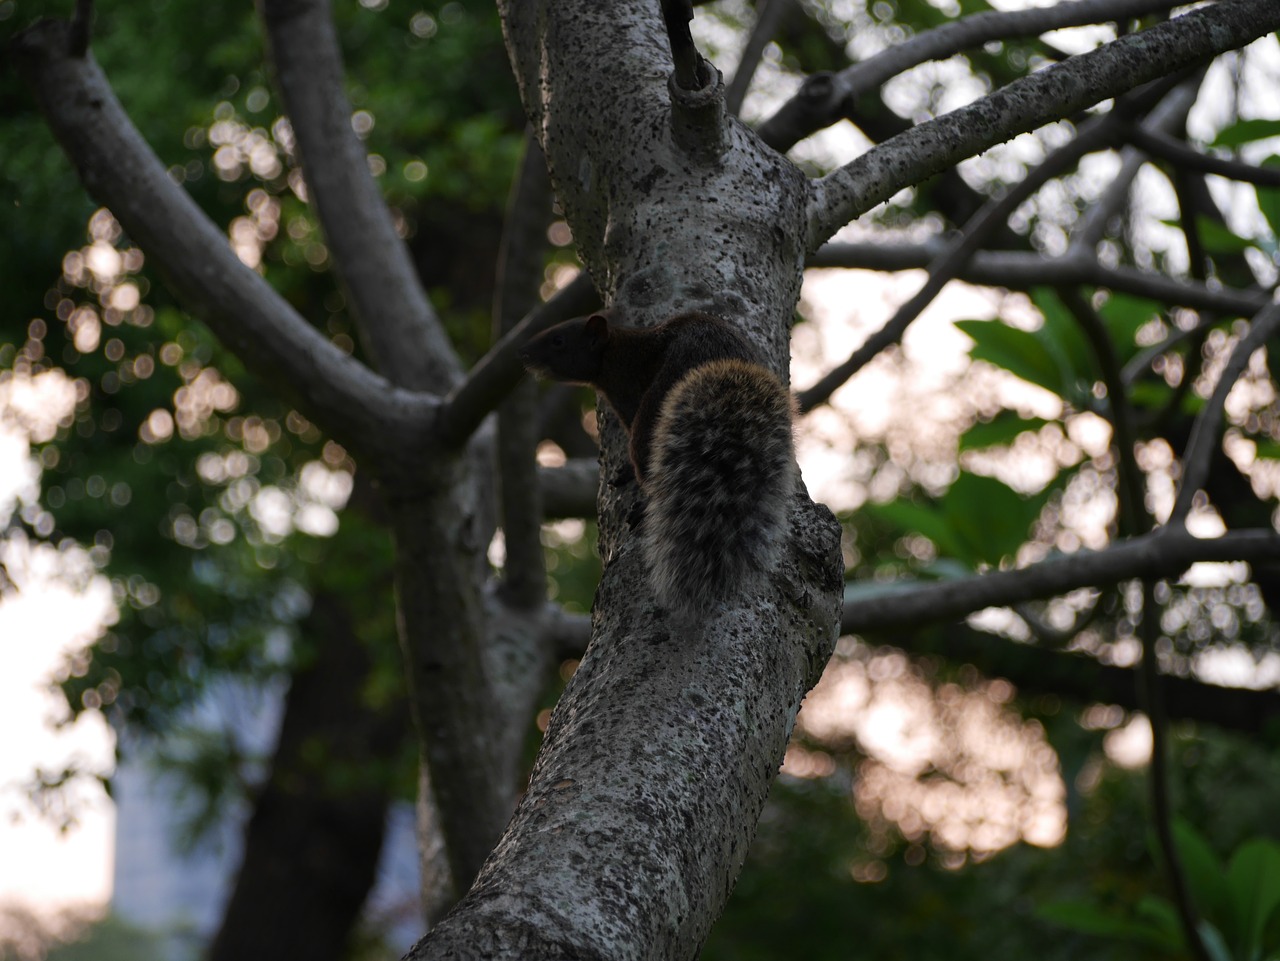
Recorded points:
(220,515)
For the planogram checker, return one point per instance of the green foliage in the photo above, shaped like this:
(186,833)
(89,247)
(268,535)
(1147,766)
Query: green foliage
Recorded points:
(1245,131)
(1055,357)
(1238,904)
(978,521)
(112,939)
(1000,431)
(209,586)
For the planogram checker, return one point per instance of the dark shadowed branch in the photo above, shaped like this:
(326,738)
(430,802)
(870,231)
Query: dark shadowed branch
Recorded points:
(1168,148)
(1084,679)
(1207,427)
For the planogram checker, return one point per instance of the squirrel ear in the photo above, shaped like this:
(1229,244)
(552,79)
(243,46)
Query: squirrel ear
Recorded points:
(597,327)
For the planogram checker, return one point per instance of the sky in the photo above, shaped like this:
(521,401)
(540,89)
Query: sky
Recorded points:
(61,858)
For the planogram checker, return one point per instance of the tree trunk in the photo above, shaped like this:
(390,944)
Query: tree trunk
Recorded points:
(312,843)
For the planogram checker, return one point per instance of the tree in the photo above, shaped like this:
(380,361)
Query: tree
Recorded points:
(659,738)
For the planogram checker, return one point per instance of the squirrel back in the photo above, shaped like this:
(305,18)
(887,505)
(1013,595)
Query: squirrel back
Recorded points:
(711,444)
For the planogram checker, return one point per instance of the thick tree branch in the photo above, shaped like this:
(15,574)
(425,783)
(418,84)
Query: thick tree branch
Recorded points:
(1056,92)
(400,328)
(1015,270)
(824,99)
(1165,553)
(570,491)
(649,744)
(118,168)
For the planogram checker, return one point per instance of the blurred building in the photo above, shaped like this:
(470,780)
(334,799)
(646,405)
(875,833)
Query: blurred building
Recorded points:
(166,882)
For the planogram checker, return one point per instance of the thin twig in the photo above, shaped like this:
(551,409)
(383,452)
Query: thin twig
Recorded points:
(1024,270)
(1158,779)
(1134,518)
(1204,432)
(769,14)
(500,369)
(1183,155)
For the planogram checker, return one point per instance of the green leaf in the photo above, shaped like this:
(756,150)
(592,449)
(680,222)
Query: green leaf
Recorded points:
(1214,942)
(1253,891)
(1246,131)
(989,519)
(912,518)
(1001,430)
(1020,352)
(1124,315)
(1085,917)
(1202,868)
(1219,240)
(1066,341)
(1160,914)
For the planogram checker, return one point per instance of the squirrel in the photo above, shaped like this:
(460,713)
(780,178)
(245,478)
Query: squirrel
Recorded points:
(711,445)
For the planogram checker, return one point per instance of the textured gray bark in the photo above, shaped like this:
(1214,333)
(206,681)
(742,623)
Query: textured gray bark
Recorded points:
(660,754)
(646,792)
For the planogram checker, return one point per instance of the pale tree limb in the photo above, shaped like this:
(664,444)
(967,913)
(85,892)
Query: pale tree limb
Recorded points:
(824,98)
(1051,94)
(359,408)
(1165,553)
(1018,270)
(649,744)
(400,328)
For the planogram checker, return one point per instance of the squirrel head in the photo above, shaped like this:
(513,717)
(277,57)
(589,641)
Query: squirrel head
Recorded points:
(571,352)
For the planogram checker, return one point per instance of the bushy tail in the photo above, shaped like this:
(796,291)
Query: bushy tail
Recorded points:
(721,478)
